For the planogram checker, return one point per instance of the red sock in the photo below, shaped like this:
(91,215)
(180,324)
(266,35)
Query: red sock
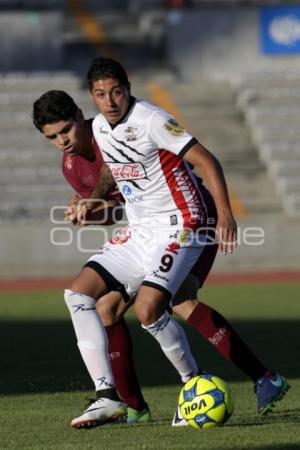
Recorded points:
(215,328)
(121,359)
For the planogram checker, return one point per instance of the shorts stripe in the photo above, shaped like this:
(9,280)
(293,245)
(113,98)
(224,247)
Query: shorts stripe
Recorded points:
(111,282)
(160,288)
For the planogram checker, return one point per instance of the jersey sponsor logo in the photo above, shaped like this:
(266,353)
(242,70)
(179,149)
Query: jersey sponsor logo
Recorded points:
(127,171)
(126,190)
(174,128)
(130,134)
(136,199)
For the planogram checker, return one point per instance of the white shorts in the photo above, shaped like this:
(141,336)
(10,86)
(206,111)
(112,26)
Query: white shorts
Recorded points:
(160,258)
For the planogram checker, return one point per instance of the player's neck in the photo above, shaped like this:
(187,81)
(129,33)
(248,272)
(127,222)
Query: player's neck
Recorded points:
(130,104)
(87,150)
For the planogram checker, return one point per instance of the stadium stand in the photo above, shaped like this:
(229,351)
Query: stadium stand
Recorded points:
(30,180)
(210,109)
(30,177)
(226,117)
(270,102)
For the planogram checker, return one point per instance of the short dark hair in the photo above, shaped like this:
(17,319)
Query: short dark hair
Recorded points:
(102,68)
(52,107)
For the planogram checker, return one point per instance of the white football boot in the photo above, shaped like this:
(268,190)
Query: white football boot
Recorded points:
(178,420)
(100,411)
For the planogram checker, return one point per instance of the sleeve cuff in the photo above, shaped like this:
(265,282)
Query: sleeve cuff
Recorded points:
(187,146)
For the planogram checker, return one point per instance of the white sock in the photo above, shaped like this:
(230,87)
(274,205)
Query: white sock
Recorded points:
(91,338)
(174,344)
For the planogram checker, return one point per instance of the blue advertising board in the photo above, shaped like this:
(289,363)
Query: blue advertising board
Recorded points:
(280,29)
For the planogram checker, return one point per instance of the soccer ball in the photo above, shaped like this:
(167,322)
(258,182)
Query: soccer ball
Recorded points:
(206,401)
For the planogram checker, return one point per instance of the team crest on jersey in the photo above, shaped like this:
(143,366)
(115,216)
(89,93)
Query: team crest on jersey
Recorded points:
(68,162)
(130,134)
(121,237)
(174,128)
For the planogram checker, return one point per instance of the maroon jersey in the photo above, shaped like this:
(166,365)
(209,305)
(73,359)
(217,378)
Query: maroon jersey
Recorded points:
(81,173)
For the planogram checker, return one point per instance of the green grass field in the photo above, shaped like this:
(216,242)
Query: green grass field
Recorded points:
(44,383)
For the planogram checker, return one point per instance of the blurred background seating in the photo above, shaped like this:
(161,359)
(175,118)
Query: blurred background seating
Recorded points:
(205,61)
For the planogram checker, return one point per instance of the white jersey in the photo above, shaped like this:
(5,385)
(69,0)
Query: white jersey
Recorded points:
(144,153)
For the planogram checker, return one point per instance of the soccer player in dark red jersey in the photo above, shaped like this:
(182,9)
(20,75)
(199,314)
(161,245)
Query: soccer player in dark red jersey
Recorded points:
(64,126)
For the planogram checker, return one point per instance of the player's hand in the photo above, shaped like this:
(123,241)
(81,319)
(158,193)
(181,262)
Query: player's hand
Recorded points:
(83,207)
(226,232)
(70,214)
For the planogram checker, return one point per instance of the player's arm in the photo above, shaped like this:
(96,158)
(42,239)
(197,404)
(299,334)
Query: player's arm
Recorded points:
(210,169)
(105,184)
(167,133)
(101,207)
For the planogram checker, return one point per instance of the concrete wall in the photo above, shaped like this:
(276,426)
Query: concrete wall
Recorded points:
(31,40)
(219,43)
(26,249)
(45,249)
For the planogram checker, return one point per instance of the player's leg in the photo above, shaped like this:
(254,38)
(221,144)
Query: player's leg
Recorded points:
(165,330)
(111,308)
(114,260)
(165,272)
(216,329)
(269,386)
(92,343)
(187,290)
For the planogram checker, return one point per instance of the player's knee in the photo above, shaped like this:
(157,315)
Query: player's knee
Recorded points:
(70,297)
(145,313)
(89,283)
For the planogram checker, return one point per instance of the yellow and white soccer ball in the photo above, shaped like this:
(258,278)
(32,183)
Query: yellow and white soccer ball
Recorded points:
(206,401)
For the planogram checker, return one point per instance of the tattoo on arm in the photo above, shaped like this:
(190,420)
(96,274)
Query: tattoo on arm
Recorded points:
(105,184)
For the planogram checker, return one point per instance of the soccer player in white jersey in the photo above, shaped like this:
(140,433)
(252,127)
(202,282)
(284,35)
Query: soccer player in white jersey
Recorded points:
(169,211)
